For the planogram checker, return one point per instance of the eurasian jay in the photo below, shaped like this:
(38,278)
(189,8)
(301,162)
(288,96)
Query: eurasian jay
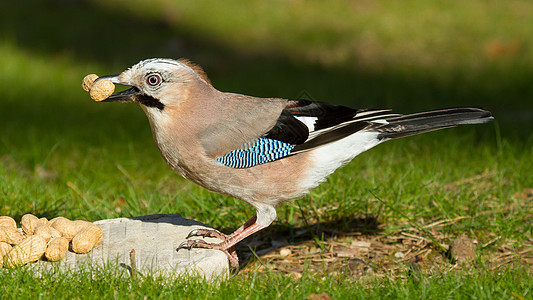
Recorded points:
(261,150)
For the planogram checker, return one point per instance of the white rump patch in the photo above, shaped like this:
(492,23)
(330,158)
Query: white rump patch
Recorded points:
(327,158)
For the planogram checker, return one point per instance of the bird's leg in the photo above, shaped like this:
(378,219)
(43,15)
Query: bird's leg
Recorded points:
(264,217)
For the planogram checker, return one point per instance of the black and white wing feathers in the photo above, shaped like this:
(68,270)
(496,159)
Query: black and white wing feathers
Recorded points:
(325,123)
(305,125)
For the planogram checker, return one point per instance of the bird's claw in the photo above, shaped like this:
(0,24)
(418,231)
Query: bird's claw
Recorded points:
(230,252)
(186,245)
(207,233)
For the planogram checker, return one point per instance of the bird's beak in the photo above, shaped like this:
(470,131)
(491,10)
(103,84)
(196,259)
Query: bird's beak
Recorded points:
(123,96)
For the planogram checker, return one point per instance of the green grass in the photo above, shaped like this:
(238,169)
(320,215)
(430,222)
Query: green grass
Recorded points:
(481,285)
(63,154)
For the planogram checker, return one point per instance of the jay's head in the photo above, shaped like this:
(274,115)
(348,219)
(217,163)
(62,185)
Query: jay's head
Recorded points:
(158,83)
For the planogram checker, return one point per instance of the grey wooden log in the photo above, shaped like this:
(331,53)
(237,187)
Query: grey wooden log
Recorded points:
(155,239)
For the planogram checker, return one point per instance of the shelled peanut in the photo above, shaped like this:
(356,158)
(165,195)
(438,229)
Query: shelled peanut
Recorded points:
(29,250)
(57,248)
(68,228)
(29,222)
(7,221)
(11,235)
(4,249)
(87,238)
(46,232)
(99,90)
(39,237)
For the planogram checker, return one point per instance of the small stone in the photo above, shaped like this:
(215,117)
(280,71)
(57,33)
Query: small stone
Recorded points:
(399,255)
(347,252)
(295,275)
(322,296)
(285,252)
(360,244)
(463,250)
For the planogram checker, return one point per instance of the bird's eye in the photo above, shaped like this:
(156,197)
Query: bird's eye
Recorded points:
(154,79)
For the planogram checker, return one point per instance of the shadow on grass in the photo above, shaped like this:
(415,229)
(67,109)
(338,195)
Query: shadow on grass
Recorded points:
(276,236)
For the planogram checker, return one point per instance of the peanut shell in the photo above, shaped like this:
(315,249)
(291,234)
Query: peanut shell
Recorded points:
(86,239)
(68,228)
(51,222)
(4,249)
(88,82)
(57,248)
(10,235)
(29,222)
(43,231)
(29,250)
(101,90)
(7,221)
(54,232)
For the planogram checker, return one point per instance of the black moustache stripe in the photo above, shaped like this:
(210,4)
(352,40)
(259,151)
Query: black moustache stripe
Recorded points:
(149,101)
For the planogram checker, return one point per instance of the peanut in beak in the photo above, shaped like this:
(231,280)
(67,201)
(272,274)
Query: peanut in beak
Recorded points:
(99,90)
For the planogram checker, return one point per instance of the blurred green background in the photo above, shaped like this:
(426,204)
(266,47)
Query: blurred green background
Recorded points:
(60,152)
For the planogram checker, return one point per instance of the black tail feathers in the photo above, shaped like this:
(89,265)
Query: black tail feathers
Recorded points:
(433,120)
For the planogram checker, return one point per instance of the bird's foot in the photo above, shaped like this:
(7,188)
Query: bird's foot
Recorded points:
(228,241)
(229,251)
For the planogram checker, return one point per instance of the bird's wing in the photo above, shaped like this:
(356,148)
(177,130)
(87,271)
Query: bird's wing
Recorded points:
(302,126)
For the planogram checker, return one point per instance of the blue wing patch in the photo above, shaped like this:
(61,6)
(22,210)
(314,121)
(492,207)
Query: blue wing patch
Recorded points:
(262,151)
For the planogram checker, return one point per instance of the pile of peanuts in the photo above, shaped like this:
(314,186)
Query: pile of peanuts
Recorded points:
(100,90)
(39,237)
